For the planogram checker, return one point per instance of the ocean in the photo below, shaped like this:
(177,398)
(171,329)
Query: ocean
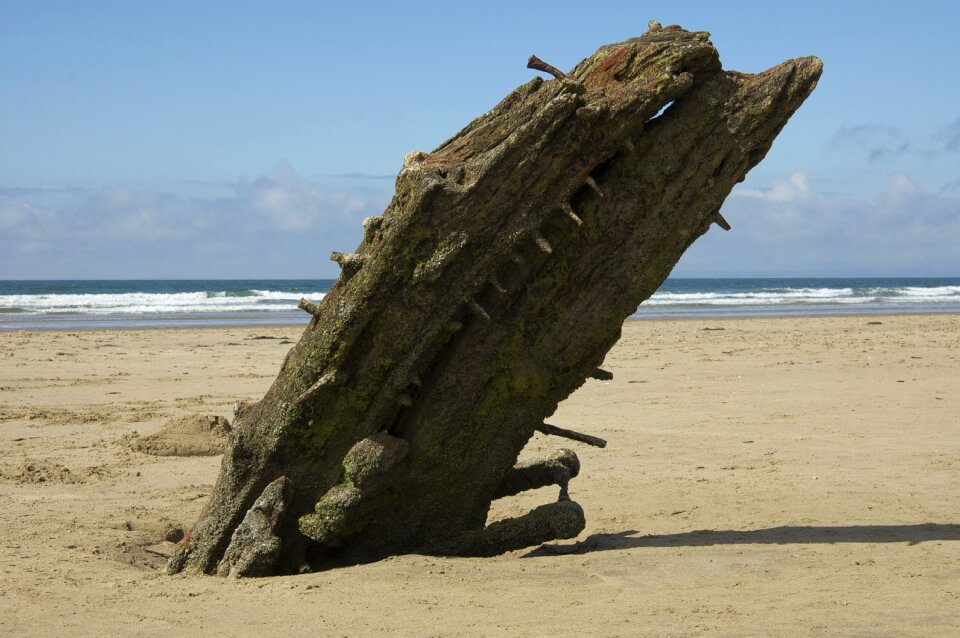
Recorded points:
(76,304)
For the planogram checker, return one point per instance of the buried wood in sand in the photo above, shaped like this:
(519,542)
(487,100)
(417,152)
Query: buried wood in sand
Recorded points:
(490,289)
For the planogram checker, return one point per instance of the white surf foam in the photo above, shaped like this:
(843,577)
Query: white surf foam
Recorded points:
(762,297)
(147,303)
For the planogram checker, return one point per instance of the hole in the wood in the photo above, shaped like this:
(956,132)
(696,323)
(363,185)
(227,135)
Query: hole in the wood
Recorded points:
(663,110)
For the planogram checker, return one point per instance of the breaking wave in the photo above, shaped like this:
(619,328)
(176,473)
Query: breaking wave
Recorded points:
(140,303)
(809,296)
(58,304)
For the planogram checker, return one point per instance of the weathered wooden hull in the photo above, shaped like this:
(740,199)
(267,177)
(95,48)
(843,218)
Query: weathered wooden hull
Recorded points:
(490,289)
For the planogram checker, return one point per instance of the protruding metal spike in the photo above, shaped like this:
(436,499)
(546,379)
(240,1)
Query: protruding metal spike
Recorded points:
(414,159)
(370,227)
(592,183)
(553,430)
(542,243)
(720,221)
(568,209)
(309,307)
(405,400)
(536,63)
(601,374)
(350,263)
(497,285)
(341,258)
(478,310)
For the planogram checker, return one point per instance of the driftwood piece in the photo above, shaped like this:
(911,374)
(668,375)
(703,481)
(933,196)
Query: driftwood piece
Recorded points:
(490,289)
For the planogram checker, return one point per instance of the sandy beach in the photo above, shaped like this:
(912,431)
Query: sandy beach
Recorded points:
(764,477)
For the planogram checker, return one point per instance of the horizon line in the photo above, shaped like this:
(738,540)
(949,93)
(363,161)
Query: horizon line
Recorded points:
(48,279)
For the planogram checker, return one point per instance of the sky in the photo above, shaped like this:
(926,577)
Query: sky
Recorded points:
(169,139)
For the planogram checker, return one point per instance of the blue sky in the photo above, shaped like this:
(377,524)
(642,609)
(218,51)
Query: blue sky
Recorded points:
(248,139)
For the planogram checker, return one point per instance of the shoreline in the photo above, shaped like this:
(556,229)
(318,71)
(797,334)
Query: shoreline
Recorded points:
(200,322)
(111,304)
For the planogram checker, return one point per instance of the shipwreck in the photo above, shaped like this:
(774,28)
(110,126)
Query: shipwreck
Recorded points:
(488,291)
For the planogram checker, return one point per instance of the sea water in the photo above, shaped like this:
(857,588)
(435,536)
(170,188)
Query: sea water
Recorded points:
(72,304)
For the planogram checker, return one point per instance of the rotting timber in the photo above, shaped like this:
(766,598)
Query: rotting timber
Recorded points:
(489,290)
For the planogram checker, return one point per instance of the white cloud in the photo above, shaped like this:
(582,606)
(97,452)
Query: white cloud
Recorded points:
(281,224)
(13,215)
(794,187)
(791,228)
(878,141)
(900,185)
(297,204)
(884,142)
(131,232)
(949,136)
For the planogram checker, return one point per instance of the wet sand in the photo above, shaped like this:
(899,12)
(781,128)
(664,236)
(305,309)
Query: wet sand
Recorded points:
(768,477)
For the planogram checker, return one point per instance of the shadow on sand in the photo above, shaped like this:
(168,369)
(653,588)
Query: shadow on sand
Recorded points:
(911,534)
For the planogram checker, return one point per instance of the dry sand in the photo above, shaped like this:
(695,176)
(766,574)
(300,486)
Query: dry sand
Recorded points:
(823,453)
